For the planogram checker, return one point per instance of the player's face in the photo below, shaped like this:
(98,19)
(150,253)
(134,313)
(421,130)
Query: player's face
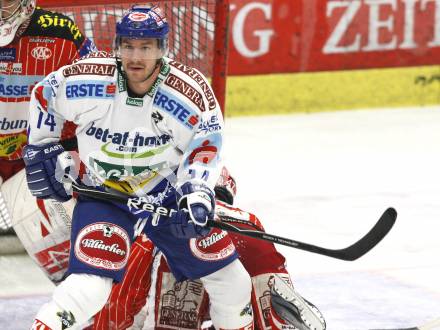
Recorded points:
(139,58)
(8,8)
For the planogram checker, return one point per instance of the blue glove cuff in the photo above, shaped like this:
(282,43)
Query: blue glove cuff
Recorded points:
(33,154)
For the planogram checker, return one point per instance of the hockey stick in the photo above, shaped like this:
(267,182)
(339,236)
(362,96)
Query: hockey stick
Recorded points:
(353,252)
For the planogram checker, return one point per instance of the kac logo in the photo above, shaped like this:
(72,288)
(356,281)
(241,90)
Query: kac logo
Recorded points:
(41,53)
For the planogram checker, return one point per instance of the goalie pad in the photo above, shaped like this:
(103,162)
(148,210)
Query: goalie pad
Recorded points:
(43,226)
(5,218)
(178,305)
(290,310)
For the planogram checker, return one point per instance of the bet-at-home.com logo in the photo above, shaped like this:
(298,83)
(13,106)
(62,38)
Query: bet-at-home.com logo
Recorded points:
(128,145)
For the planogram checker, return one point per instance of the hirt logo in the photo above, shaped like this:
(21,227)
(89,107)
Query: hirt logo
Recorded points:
(41,53)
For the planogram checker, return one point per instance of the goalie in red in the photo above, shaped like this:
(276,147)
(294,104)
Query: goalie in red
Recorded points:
(33,43)
(184,305)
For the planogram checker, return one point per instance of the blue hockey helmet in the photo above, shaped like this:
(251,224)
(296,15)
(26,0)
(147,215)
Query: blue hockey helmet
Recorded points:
(143,22)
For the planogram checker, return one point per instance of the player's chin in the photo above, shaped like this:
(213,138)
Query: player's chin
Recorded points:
(136,75)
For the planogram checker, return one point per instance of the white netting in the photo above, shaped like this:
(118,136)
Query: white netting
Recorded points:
(5,219)
(192,28)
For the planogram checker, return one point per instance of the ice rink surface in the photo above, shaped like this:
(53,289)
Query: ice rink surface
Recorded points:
(325,179)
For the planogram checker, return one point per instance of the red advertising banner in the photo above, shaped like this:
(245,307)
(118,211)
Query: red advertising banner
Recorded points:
(269,36)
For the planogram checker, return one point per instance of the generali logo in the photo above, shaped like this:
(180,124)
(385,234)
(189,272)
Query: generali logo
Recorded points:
(41,53)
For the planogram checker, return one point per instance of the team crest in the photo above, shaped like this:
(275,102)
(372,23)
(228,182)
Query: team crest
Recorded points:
(103,245)
(217,245)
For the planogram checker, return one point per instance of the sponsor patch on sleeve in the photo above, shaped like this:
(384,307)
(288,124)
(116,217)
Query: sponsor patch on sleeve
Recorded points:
(90,89)
(177,108)
(186,89)
(90,69)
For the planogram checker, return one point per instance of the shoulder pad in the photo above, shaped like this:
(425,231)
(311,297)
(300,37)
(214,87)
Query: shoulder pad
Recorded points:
(194,78)
(98,55)
(185,79)
(45,23)
(89,67)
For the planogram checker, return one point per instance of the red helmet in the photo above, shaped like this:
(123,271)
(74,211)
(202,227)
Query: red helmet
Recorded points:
(12,16)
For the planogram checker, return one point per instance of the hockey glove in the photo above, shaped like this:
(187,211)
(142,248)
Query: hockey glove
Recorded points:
(196,206)
(44,177)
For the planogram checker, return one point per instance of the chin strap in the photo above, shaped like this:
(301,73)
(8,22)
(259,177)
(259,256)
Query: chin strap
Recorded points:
(153,70)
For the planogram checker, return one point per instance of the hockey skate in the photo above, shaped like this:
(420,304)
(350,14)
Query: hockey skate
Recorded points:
(292,308)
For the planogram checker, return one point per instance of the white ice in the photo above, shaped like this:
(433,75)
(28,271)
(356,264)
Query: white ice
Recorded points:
(325,179)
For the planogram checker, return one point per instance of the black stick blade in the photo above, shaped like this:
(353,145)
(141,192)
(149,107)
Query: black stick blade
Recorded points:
(372,238)
(353,252)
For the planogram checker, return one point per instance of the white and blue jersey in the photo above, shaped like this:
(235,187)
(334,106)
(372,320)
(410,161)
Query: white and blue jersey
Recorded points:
(127,143)
(145,146)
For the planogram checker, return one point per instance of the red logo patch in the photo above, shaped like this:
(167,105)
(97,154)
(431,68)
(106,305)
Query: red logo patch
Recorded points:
(138,16)
(110,89)
(217,245)
(203,154)
(103,245)
(55,258)
(193,120)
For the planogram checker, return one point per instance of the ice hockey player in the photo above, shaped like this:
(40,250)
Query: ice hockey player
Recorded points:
(137,131)
(184,305)
(33,43)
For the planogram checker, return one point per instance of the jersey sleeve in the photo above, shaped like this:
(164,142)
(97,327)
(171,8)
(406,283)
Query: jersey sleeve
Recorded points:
(76,44)
(202,152)
(86,47)
(48,110)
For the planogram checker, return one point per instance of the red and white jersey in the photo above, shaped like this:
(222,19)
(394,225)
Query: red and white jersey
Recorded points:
(45,43)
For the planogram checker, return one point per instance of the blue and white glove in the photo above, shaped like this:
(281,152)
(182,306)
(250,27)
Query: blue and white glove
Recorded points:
(196,206)
(44,177)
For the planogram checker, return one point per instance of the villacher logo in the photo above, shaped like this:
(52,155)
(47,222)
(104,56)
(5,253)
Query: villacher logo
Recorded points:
(217,246)
(99,244)
(103,245)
